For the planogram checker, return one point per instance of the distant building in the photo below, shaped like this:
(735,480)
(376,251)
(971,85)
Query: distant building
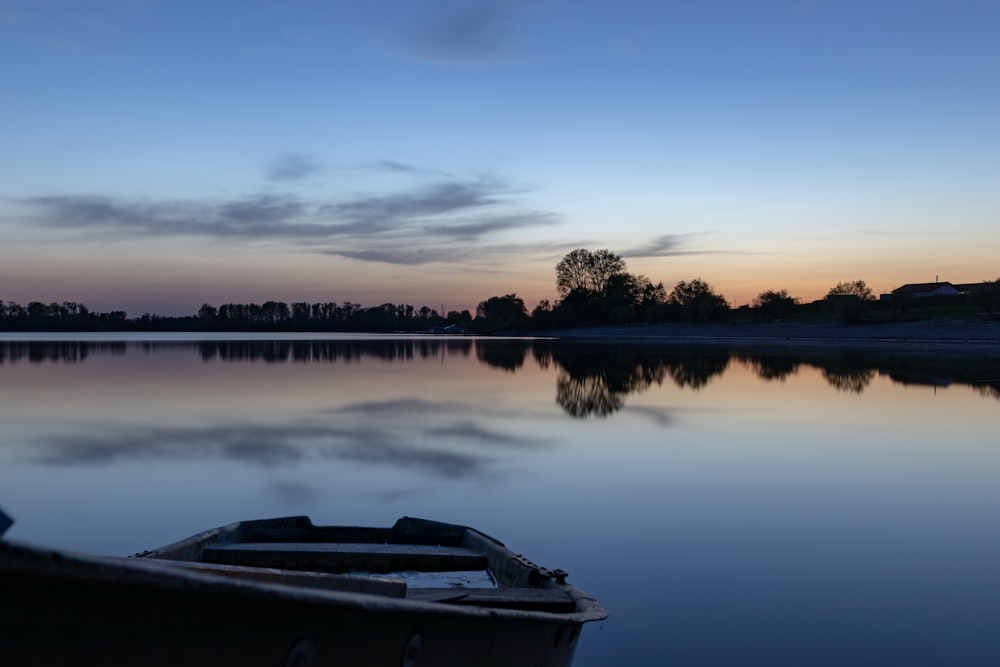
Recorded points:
(921,290)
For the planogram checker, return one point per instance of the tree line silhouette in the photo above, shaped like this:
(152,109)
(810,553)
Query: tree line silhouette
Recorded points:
(594,287)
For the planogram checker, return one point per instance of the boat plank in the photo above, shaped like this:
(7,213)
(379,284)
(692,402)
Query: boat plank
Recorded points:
(340,556)
(315,580)
(534,599)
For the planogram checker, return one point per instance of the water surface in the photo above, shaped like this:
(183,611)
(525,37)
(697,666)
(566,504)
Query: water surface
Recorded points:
(728,506)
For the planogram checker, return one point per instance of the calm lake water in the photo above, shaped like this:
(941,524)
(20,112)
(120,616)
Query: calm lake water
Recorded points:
(729,507)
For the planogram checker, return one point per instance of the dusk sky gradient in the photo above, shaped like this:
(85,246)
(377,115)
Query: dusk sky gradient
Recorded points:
(158,155)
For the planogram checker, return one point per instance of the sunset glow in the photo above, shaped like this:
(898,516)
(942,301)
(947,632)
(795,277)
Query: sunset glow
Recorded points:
(159,155)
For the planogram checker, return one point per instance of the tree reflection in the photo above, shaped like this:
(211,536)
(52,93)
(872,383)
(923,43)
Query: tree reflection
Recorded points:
(64,352)
(854,381)
(594,380)
(505,355)
(848,370)
(988,390)
(587,396)
(330,351)
(773,368)
(694,370)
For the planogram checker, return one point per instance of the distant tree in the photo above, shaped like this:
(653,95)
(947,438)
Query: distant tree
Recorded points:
(634,290)
(850,302)
(587,272)
(544,306)
(501,312)
(696,301)
(207,312)
(774,305)
(543,315)
(857,289)
(300,311)
(648,294)
(987,296)
(459,317)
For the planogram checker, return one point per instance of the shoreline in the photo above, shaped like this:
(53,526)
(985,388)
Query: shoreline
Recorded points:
(964,334)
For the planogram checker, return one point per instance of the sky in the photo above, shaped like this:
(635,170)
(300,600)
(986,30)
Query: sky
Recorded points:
(157,155)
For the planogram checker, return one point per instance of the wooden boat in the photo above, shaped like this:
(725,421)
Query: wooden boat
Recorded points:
(287,592)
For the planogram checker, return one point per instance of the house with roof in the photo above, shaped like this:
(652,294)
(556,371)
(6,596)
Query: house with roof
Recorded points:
(921,290)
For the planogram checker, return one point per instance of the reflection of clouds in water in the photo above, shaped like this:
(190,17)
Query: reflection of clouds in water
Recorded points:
(404,406)
(660,416)
(471,431)
(421,408)
(295,492)
(404,433)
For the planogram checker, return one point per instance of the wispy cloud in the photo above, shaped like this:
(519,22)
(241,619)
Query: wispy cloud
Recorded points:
(457,31)
(470,231)
(402,256)
(263,216)
(394,166)
(661,246)
(438,199)
(671,245)
(428,223)
(292,167)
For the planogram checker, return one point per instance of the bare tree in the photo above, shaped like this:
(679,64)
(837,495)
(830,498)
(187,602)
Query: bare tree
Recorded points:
(588,272)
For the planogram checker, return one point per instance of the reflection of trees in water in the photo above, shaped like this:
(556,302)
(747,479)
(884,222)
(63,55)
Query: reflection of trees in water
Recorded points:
(66,352)
(854,381)
(594,380)
(542,354)
(847,370)
(694,371)
(988,390)
(604,373)
(261,350)
(587,396)
(345,350)
(773,368)
(505,355)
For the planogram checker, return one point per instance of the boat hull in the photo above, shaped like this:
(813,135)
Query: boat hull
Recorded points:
(64,608)
(52,620)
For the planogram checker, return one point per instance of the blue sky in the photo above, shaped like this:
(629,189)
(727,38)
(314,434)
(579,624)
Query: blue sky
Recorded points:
(157,155)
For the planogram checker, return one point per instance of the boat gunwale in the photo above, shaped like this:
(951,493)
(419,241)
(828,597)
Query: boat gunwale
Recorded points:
(140,572)
(521,572)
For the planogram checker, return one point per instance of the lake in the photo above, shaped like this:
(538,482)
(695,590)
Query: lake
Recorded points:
(728,506)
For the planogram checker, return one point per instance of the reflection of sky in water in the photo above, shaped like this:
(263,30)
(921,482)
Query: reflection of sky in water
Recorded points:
(723,519)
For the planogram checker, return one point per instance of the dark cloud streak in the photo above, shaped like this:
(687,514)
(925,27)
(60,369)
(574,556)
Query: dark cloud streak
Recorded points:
(671,245)
(471,231)
(459,31)
(427,224)
(436,200)
(661,246)
(292,167)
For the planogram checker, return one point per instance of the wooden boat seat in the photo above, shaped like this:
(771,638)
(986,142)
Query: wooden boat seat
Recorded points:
(345,556)
(395,588)
(553,600)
